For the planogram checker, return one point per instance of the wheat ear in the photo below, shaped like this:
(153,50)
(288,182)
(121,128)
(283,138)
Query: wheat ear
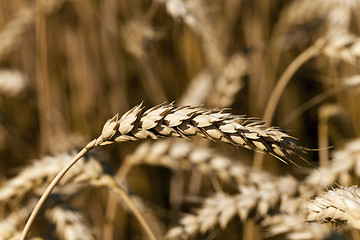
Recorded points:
(341,205)
(70,224)
(42,171)
(255,200)
(167,120)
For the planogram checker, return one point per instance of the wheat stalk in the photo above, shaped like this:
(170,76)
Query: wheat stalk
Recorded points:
(338,206)
(113,185)
(70,224)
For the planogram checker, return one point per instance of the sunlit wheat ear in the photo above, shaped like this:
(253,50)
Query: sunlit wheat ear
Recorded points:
(70,225)
(338,206)
(218,125)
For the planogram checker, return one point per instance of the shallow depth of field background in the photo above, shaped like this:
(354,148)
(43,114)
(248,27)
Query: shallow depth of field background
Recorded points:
(66,66)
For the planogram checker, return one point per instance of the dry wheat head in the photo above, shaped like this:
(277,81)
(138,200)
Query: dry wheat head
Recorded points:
(339,206)
(166,120)
(70,224)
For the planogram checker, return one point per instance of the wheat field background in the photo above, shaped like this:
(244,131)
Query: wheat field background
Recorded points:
(277,80)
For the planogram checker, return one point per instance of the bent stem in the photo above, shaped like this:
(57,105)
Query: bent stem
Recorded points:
(48,191)
(116,187)
(285,78)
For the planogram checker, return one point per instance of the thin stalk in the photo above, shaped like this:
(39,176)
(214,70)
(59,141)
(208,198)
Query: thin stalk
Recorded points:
(48,191)
(42,78)
(116,187)
(276,94)
(323,140)
(310,103)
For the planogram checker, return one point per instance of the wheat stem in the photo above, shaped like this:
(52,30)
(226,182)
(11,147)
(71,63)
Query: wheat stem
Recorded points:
(48,190)
(112,184)
(285,78)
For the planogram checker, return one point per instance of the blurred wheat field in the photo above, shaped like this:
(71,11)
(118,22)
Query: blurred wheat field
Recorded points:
(219,69)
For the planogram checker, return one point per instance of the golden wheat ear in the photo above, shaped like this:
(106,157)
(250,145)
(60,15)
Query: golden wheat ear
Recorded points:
(166,120)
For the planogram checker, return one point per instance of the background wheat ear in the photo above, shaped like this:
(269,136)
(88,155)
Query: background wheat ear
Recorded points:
(338,206)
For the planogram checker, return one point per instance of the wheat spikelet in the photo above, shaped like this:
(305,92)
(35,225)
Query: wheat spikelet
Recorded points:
(338,206)
(70,224)
(167,120)
(344,164)
(41,172)
(10,36)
